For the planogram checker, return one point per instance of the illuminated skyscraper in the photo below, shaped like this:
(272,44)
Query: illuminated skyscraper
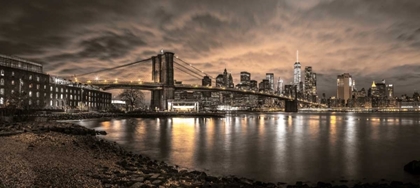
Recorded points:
(280,86)
(344,86)
(270,78)
(245,77)
(310,81)
(297,74)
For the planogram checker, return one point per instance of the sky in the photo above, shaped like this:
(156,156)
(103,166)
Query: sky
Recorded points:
(371,40)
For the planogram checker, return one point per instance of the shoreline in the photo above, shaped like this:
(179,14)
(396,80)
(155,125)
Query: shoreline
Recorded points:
(58,154)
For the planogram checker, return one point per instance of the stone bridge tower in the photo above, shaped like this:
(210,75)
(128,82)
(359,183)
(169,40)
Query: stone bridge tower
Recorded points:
(162,72)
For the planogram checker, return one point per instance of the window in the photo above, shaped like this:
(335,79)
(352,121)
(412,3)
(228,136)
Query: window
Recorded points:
(45,86)
(30,102)
(61,90)
(37,94)
(61,96)
(37,102)
(1,100)
(37,78)
(51,95)
(51,102)
(30,77)
(1,91)
(51,88)
(13,73)
(30,85)
(30,93)
(13,82)
(37,86)
(2,81)
(2,72)
(12,91)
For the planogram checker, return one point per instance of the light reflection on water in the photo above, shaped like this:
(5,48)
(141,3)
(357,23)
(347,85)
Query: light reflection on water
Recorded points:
(276,147)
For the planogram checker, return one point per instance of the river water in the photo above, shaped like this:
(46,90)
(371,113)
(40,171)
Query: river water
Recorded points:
(278,147)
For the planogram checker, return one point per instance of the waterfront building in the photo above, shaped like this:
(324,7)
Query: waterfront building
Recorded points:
(67,95)
(270,78)
(344,86)
(24,85)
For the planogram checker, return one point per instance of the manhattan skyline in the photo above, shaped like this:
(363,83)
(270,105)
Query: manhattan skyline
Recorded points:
(371,40)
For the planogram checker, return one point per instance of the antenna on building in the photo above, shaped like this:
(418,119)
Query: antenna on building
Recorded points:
(297,55)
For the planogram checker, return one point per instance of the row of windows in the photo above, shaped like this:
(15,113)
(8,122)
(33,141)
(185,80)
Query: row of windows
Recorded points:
(30,77)
(20,65)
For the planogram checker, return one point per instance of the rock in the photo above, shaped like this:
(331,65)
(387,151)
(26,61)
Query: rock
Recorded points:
(413,167)
(137,185)
(138,179)
(154,176)
(156,182)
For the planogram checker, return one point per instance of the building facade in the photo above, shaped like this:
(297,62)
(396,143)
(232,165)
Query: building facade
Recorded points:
(24,85)
(344,86)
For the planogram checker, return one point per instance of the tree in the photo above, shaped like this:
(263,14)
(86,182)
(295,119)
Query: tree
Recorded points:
(134,98)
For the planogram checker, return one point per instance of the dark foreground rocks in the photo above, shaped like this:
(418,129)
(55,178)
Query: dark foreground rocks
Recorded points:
(66,155)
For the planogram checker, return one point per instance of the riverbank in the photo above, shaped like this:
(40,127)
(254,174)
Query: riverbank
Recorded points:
(52,154)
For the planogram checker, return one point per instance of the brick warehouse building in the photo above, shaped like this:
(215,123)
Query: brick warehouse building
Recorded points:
(24,85)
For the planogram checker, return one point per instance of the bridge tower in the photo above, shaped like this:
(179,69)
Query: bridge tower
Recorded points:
(162,72)
(292,105)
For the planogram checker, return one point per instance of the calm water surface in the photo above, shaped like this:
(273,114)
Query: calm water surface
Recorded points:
(277,147)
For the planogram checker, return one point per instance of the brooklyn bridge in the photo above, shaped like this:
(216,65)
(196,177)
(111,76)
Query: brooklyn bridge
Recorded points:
(163,84)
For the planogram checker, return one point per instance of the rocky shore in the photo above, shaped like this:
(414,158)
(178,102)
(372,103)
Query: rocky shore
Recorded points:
(52,154)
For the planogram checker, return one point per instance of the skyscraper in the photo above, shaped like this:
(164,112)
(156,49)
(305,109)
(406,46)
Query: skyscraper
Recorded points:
(245,77)
(280,86)
(270,78)
(310,81)
(206,81)
(344,86)
(297,74)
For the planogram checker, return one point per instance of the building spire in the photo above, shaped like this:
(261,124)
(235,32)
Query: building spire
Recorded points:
(297,55)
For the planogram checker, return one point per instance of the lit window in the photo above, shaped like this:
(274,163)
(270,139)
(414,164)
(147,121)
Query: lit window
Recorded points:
(61,96)
(51,95)
(13,82)
(37,86)
(51,102)
(37,94)
(13,73)
(61,90)
(30,102)
(1,100)
(12,91)
(30,85)
(30,93)
(30,77)
(51,88)
(1,91)
(2,81)
(37,78)
(2,72)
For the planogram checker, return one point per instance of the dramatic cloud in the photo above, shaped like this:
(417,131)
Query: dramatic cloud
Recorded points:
(371,40)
